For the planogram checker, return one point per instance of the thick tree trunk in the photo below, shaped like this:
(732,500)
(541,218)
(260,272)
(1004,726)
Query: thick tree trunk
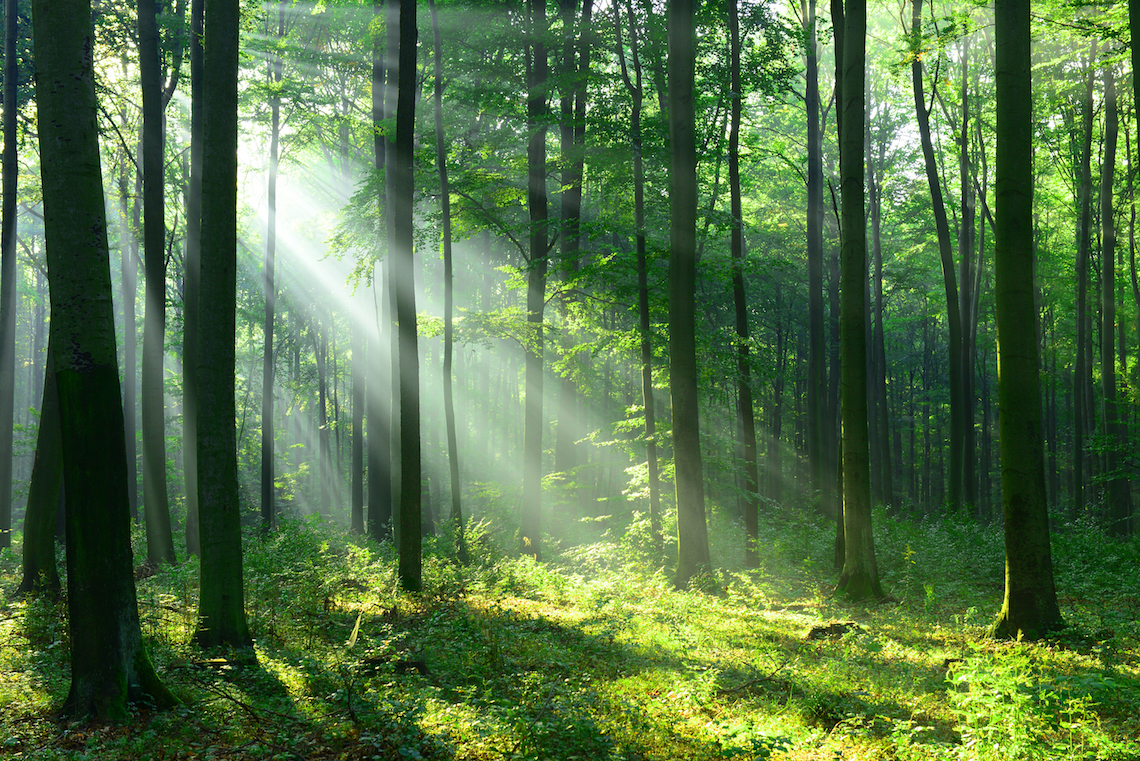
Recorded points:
(156,506)
(221,612)
(692,531)
(191,271)
(531,523)
(860,575)
(109,668)
(1030,605)
(401,188)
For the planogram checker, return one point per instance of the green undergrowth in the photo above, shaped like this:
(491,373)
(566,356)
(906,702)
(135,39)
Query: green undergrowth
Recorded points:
(594,655)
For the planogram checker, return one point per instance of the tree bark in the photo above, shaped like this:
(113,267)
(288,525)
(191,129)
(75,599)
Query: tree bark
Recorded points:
(448,296)
(221,612)
(401,187)
(1118,498)
(692,531)
(1082,381)
(743,349)
(8,271)
(531,522)
(816,386)
(268,363)
(109,667)
(38,557)
(637,94)
(156,506)
(859,577)
(953,315)
(1030,605)
(191,272)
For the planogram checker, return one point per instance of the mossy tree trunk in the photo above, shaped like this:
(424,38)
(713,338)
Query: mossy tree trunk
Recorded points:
(1030,605)
(109,668)
(221,611)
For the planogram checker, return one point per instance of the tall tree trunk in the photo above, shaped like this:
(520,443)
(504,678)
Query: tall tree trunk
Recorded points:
(743,369)
(156,506)
(448,296)
(859,578)
(953,315)
(221,612)
(1030,605)
(882,420)
(966,297)
(1119,507)
(268,361)
(637,94)
(109,667)
(8,272)
(401,188)
(817,426)
(191,268)
(531,524)
(1082,382)
(379,418)
(692,532)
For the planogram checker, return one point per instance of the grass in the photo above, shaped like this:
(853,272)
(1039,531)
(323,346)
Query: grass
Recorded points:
(593,655)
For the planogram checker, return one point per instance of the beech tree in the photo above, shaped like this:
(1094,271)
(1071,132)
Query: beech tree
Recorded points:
(109,667)
(1030,605)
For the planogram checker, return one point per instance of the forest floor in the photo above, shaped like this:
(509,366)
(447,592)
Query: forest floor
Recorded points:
(594,656)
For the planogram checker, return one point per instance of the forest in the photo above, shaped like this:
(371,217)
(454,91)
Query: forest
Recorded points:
(600,379)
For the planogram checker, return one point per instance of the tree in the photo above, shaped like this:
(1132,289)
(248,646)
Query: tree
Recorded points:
(637,94)
(531,519)
(692,532)
(401,189)
(156,506)
(8,271)
(221,612)
(1030,605)
(743,350)
(109,667)
(1119,499)
(191,270)
(448,293)
(859,577)
(268,507)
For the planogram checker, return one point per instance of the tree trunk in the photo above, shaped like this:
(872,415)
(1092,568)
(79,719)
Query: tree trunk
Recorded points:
(859,578)
(401,187)
(448,296)
(268,363)
(816,388)
(191,270)
(531,523)
(1082,382)
(8,271)
(637,94)
(1030,605)
(38,558)
(743,349)
(109,667)
(1119,502)
(692,532)
(221,612)
(953,315)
